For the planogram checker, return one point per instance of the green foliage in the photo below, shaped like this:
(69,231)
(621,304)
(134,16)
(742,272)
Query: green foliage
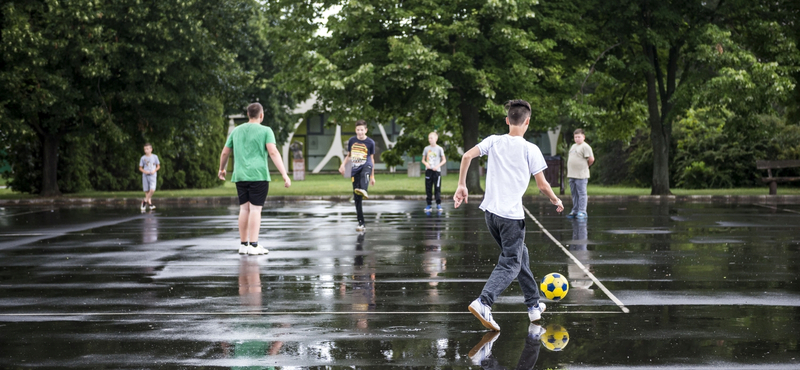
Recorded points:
(89,82)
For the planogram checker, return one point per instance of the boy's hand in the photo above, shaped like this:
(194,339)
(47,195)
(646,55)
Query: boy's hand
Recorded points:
(558,204)
(287,182)
(461,195)
(221,175)
(372,180)
(341,170)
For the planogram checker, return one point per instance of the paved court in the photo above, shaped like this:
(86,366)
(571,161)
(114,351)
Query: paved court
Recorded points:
(706,286)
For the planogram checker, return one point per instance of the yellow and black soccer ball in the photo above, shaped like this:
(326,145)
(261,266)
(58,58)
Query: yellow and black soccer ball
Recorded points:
(554,286)
(556,338)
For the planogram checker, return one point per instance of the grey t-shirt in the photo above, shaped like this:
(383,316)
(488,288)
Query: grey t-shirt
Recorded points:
(149,163)
(433,155)
(512,161)
(578,164)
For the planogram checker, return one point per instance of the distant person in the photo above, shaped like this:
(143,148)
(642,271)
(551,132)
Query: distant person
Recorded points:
(580,159)
(512,161)
(361,153)
(433,159)
(250,144)
(149,165)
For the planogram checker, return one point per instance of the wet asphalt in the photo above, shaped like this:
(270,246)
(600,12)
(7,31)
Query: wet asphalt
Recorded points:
(707,286)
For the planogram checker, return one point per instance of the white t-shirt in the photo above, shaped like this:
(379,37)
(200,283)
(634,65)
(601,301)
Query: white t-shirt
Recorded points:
(512,161)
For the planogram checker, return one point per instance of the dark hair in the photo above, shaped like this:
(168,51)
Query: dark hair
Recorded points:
(254,110)
(518,111)
(148,144)
(361,122)
(579,131)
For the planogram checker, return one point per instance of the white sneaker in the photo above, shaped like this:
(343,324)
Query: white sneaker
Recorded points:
(535,331)
(361,228)
(362,193)
(484,314)
(151,206)
(144,206)
(256,250)
(535,312)
(483,349)
(243,249)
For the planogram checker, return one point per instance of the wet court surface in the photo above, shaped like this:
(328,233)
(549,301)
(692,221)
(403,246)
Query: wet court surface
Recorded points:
(707,286)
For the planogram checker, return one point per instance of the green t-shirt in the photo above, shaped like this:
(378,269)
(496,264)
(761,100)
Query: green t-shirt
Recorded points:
(249,143)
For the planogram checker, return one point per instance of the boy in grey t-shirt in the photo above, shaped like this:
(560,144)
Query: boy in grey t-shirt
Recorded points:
(581,158)
(512,161)
(148,166)
(433,159)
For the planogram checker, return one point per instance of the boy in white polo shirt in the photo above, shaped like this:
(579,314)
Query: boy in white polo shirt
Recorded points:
(512,161)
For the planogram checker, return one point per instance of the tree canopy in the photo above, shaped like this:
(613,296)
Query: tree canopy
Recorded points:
(439,65)
(94,80)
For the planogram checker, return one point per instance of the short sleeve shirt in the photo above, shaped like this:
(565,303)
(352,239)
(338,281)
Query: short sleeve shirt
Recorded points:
(149,164)
(578,163)
(360,152)
(433,155)
(249,143)
(512,162)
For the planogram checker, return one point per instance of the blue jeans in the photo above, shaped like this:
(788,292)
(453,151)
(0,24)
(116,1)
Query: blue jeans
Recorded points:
(514,261)
(577,187)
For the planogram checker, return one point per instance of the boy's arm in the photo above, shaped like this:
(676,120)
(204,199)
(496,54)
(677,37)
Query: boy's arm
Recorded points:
(158,167)
(278,161)
(372,175)
(141,169)
(544,186)
(223,162)
(423,160)
(444,160)
(346,158)
(462,194)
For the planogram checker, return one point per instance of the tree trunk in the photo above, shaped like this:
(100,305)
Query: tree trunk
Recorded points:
(659,133)
(470,130)
(50,166)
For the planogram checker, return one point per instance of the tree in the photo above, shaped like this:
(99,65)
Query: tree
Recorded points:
(428,64)
(671,56)
(124,70)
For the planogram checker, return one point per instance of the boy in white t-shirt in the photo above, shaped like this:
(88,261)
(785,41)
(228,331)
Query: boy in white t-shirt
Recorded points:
(512,161)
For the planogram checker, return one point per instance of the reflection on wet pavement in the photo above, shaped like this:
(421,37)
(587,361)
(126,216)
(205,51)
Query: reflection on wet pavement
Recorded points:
(709,287)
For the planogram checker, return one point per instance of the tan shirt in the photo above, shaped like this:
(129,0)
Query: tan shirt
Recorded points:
(578,163)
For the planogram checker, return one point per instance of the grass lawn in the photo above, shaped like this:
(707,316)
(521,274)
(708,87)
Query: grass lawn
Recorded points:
(386,184)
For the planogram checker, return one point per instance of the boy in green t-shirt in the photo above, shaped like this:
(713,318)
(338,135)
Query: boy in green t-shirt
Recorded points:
(250,144)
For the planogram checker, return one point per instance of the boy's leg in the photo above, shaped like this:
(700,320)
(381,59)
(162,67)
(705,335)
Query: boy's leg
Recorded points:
(573,192)
(149,196)
(428,185)
(436,178)
(258,195)
(244,217)
(530,289)
(529,354)
(254,223)
(510,236)
(356,180)
(582,194)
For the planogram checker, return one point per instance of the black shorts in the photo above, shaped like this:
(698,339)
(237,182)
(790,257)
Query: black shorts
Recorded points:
(254,192)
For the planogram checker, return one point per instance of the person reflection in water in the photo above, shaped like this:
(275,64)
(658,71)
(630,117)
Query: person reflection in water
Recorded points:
(363,286)
(579,281)
(251,298)
(433,263)
(481,354)
(150,229)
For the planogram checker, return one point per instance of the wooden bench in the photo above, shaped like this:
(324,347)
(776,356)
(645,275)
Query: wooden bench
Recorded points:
(773,181)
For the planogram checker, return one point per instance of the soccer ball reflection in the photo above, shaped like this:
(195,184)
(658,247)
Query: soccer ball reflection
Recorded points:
(556,337)
(554,286)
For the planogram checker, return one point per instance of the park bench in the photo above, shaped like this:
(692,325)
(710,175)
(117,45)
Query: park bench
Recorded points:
(773,181)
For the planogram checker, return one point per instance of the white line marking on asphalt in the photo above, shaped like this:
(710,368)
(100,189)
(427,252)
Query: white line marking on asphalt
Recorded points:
(283,313)
(577,262)
(776,208)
